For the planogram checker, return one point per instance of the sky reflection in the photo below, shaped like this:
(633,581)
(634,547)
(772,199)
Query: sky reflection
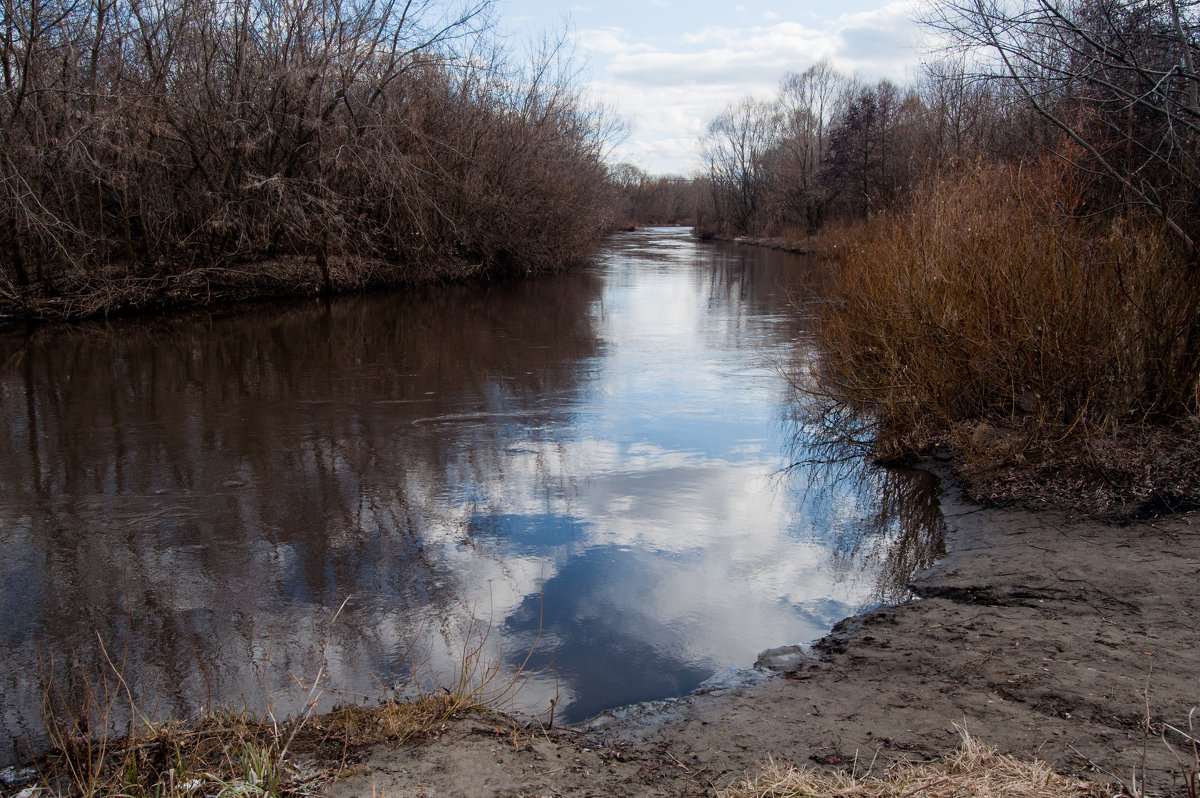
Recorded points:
(585,469)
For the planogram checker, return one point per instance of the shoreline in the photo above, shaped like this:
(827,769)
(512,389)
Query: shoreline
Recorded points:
(1043,634)
(219,291)
(804,246)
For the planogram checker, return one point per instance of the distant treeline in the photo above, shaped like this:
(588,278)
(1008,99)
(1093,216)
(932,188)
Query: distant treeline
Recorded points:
(829,147)
(1109,86)
(640,198)
(155,152)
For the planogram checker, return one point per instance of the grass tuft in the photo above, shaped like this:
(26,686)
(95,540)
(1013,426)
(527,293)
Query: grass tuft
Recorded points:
(230,752)
(974,769)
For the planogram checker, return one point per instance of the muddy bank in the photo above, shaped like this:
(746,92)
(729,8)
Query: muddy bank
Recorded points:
(801,246)
(1042,634)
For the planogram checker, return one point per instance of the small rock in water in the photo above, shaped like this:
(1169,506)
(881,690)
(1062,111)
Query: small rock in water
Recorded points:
(784,658)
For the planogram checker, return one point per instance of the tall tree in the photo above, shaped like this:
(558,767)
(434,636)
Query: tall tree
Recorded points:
(807,102)
(737,148)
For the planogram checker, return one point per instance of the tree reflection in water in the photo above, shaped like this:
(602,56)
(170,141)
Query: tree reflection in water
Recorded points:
(201,493)
(897,524)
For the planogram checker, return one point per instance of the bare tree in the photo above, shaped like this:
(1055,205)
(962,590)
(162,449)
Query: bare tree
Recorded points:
(826,144)
(874,154)
(737,149)
(642,198)
(807,103)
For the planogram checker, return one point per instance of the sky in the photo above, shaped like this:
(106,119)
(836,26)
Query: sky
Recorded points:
(667,67)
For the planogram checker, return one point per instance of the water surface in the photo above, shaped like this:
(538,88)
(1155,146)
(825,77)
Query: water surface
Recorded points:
(584,472)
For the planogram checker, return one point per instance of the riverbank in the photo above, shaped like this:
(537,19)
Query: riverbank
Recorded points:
(1044,635)
(216,290)
(806,245)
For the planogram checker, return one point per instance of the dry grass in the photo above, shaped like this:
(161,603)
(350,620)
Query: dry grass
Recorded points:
(1005,318)
(232,752)
(223,753)
(974,770)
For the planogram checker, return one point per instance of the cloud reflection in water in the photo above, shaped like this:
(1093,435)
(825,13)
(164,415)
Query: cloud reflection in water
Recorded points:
(593,458)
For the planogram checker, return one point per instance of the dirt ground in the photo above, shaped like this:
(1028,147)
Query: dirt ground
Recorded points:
(1045,636)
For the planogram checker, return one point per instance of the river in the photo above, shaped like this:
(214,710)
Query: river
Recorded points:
(581,478)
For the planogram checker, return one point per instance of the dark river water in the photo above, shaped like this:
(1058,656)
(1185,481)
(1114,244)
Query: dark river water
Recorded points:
(581,476)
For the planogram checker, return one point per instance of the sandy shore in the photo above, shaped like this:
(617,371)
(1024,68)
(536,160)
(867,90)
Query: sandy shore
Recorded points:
(1042,634)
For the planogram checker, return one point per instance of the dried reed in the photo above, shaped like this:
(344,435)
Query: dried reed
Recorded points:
(974,769)
(1003,315)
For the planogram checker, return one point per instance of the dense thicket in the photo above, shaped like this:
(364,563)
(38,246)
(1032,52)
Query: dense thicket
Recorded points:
(156,151)
(1018,277)
(1110,85)
(1115,80)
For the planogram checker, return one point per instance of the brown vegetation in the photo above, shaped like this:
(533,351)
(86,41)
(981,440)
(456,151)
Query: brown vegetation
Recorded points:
(156,153)
(641,199)
(830,148)
(235,753)
(1114,79)
(995,319)
(231,752)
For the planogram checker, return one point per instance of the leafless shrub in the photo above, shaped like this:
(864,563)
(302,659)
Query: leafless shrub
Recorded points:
(155,150)
(1117,78)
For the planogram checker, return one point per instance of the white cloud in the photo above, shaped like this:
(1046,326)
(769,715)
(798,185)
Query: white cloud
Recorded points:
(608,41)
(881,43)
(669,85)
